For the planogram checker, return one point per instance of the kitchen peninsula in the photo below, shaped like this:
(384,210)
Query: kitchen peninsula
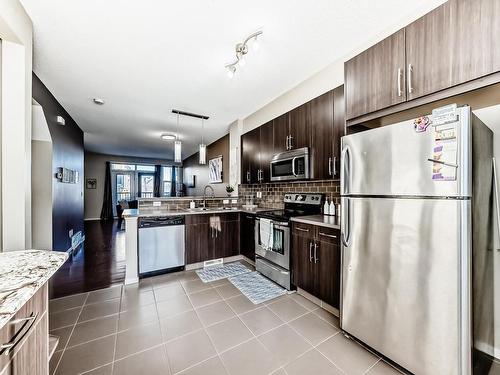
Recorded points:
(24,319)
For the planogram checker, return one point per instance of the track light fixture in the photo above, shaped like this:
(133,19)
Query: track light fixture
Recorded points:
(241,50)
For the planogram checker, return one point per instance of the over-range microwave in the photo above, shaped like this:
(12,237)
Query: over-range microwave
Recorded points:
(290,165)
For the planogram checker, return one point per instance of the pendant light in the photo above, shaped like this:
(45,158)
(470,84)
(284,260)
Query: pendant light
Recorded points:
(203,147)
(177,145)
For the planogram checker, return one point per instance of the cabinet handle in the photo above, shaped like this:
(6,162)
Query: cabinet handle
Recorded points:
(330,166)
(310,252)
(286,143)
(316,259)
(249,217)
(410,71)
(302,229)
(334,166)
(19,335)
(400,75)
(327,235)
(290,140)
(248,176)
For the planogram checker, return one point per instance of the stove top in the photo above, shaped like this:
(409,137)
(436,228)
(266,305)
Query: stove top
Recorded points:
(296,204)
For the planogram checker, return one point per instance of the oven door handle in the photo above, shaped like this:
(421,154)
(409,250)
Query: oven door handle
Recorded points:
(276,269)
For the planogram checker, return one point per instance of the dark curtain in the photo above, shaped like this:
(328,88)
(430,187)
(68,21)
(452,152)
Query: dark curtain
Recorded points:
(157,187)
(107,201)
(173,190)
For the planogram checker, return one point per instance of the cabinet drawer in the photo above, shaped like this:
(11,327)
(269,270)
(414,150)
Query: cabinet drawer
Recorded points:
(197,219)
(329,235)
(20,327)
(304,230)
(230,216)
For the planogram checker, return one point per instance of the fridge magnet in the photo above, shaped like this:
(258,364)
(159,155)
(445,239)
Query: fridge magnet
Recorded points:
(91,183)
(421,124)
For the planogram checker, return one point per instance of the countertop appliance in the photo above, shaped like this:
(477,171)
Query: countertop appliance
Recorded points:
(290,165)
(274,261)
(161,245)
(415,200)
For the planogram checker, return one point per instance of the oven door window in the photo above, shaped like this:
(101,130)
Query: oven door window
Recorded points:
(278,241)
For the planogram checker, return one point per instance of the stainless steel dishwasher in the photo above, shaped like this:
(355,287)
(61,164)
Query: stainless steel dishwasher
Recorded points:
(161,245)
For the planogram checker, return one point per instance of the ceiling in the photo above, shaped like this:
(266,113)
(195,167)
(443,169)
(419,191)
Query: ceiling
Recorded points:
(146,57)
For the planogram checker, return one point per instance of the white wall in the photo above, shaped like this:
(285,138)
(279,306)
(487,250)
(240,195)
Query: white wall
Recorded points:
(17,44)
(41,178)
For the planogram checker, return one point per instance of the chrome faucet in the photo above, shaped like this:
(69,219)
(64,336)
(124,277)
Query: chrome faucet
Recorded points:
(205,195)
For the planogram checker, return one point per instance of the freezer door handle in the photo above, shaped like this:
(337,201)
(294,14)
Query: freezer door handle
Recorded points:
(345,170)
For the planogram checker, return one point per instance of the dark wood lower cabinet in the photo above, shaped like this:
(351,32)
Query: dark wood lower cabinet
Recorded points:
(247,235)
(316,262)
(204,243)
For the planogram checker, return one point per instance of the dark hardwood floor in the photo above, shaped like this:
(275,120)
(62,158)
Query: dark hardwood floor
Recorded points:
(99,263)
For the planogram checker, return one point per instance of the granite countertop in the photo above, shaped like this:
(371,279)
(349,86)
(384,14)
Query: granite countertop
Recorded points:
(320,220)
(22,273)
(152,212)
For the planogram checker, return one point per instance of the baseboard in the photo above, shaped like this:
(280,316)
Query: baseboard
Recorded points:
(131,280)
(195,266)
(318,302)
(92,219)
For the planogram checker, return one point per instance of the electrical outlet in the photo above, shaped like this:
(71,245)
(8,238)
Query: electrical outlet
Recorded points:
(70,233)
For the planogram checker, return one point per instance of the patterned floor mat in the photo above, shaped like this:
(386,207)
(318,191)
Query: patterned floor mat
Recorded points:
(219,272)
(256,287)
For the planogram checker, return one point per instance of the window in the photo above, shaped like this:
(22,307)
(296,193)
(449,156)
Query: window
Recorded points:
(123,167)
(146,168)
(123,186)
(167,181)
(146,185)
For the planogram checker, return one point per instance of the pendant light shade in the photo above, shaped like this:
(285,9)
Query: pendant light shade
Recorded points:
(203,147)
(203,153)
(177,145)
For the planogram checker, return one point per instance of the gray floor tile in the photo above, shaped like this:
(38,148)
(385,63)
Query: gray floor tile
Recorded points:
(285,344)
(64,318)
(215,313)
(382,368)
(63,334)
(189,350)
(309,305)
(347,354)
(150,362)
(328,317)
(102,295)
(179,325)
(168,291)
(212,366)
(137,339)
(134,300)
(205,297)
(93,329)
(228,333)
(313,328)
(250,358)
(66,303)
(242,304)
(99,310)
(137,317)
(87,356)
(287,309)
(227,291)
(54,361)
(193,286)
(261,320)
(174,306)
(103,370)
(312,362)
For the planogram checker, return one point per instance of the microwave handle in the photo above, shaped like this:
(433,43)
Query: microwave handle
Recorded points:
(293,166)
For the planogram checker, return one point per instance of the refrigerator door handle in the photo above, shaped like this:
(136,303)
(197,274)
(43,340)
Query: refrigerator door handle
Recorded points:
(345,222)
(345,170)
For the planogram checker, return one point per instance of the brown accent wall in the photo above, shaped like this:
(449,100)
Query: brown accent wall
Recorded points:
(192,167)
(272,193)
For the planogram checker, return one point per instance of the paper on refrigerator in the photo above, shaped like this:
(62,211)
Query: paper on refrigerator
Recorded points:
(444,152)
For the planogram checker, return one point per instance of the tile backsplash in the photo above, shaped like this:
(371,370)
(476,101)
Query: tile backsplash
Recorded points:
(272,193)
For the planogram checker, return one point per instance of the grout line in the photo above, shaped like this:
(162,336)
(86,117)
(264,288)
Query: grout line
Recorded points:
(116,331)
(372,366)
(71,334)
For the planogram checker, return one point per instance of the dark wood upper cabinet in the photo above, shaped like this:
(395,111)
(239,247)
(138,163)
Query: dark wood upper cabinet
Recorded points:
(246,156)
(338,128)
(475,39)
(444,53)
(266,151)
(281,131)
(300,124)
(428,53)
(375,78)
(322,142)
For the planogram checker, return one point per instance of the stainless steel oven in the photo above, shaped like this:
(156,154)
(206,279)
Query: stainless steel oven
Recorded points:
(279,253)
(290,165)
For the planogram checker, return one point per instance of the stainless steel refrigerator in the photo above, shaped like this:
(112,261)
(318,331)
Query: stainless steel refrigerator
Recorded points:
(416,200)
